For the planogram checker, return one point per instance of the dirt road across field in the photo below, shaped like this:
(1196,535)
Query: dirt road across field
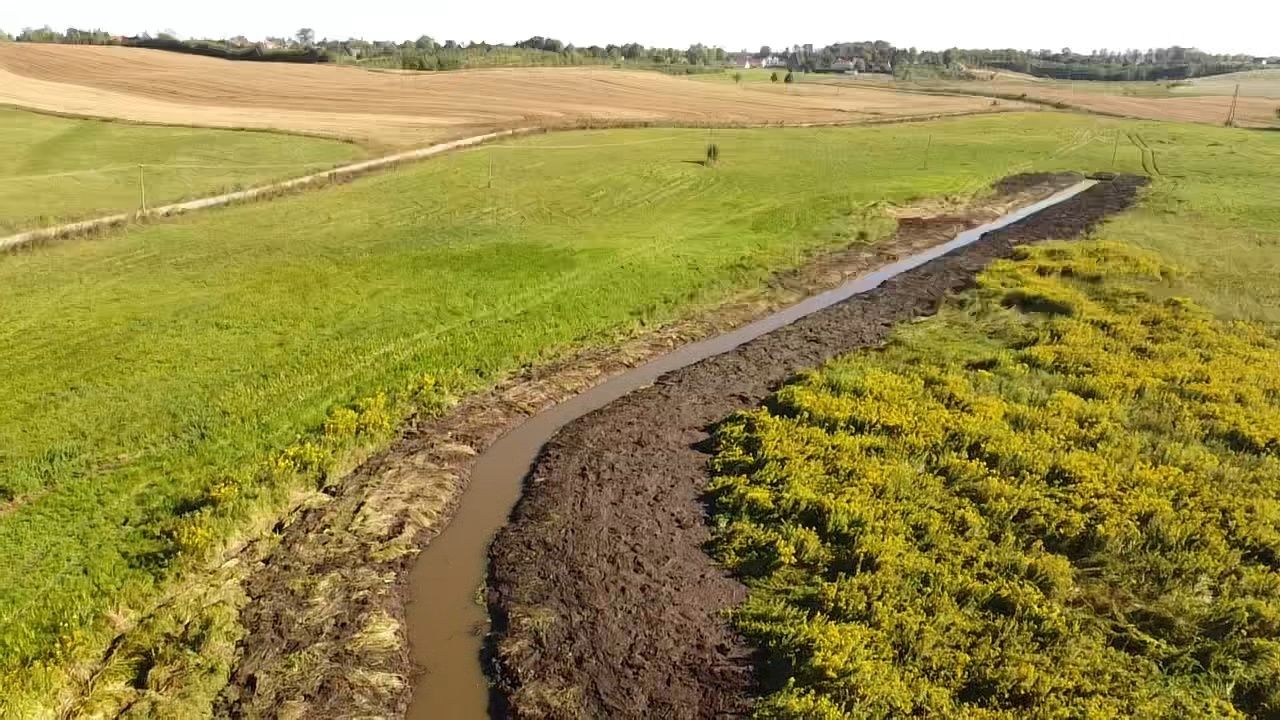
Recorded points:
(604,601)
(392,110)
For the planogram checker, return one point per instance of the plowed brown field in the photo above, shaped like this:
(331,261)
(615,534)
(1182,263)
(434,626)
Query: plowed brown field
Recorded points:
(1204,100)
(397,109)
(1102,98)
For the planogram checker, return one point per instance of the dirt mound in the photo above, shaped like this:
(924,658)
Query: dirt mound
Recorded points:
(396,109)
(1018,183)
(605,604)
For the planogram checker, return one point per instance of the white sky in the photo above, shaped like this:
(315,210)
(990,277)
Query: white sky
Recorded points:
(1246,26)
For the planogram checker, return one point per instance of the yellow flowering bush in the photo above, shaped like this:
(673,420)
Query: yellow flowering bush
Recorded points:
(1060,498)
(307,461)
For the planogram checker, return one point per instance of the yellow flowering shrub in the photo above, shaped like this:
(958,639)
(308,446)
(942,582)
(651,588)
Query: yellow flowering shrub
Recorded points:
(1060,498)
(308,461)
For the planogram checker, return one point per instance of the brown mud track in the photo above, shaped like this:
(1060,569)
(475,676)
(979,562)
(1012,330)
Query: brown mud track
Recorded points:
(325,596)
(605,604)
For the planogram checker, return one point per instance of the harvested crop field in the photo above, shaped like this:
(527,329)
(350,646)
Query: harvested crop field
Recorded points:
(1251,111)
(607,604)
(1113,99)
(1202,100)
(398,109)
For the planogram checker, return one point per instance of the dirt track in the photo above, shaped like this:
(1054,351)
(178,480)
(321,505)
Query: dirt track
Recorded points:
(606,604)
(399,109)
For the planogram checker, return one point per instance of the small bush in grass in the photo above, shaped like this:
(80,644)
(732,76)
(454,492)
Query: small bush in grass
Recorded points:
(713,154)
(790,78)
(773,77)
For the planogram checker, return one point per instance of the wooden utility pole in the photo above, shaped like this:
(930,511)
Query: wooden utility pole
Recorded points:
(1115,151)
(928,146)
(1231,115)
(490,169)
(142,188)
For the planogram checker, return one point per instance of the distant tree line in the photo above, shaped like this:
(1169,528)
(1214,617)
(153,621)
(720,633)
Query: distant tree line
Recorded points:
(226,51)
(880,56)
(1171,63)
(272,50)
(426,53)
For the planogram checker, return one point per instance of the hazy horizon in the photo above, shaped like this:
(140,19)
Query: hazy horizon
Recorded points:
(1084,26)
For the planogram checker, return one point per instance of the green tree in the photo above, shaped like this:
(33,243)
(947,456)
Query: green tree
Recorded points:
(774,76)
(5,37)
(44,34)
(306,37)
(789,78)
(737,78)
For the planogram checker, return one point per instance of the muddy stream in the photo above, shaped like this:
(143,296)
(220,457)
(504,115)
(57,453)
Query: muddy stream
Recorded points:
(446,616)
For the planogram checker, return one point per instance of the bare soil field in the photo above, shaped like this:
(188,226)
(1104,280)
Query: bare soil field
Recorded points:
(1205,100)
(1253,83)
(1110,99)
(399,109)
(614,610)
(1250,112)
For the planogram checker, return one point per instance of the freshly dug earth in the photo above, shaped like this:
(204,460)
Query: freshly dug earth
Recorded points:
(325,604)
(399,109)
(605,603)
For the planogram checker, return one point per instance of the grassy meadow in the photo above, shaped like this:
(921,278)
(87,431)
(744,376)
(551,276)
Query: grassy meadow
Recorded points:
(166,383)
(63,169)
(1059,497)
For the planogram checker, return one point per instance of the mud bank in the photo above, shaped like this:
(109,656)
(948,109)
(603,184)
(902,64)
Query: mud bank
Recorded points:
(605,604)
(325,614)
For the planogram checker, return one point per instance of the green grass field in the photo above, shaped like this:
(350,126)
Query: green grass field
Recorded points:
(1060,497)
(149,371)
(63,169)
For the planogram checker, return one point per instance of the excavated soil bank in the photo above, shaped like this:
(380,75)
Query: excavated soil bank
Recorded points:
(604,603)
(324,615)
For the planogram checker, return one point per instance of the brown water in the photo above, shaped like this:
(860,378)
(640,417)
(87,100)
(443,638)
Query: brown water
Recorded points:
(447,619)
